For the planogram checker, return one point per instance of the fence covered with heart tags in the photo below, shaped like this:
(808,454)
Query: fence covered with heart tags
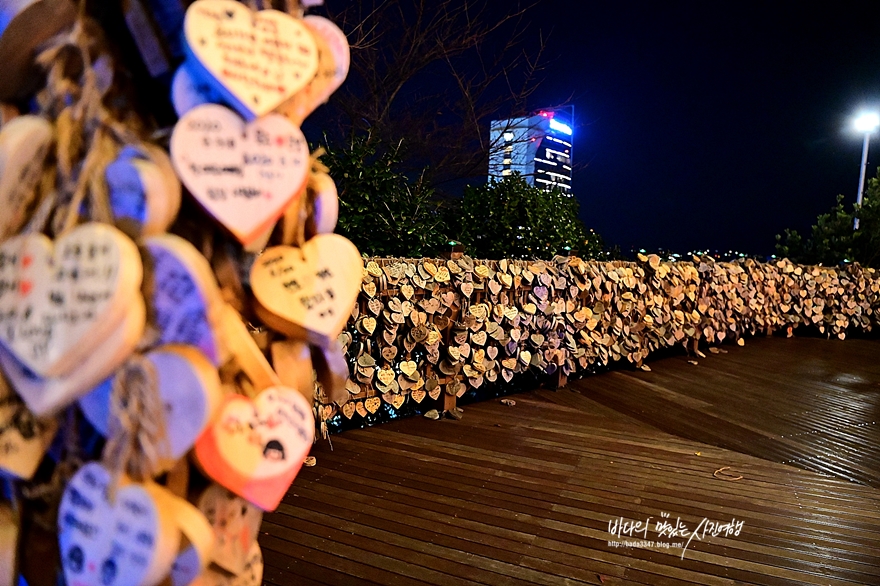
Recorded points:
(432,328)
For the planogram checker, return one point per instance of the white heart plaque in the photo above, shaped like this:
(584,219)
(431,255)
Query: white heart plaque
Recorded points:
(257,59)
(245,175)
(129,542)
(47,395)
(57,305)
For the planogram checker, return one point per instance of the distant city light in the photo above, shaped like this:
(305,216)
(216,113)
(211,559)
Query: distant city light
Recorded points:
(560,127)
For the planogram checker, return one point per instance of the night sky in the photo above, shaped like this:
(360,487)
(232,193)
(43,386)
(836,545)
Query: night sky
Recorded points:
(711,124)
(708,124)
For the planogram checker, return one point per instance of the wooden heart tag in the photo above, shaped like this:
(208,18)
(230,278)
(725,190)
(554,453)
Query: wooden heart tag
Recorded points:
(58,303)
(307,292)
(255,448)
(45,396)
(190,390)
(373,403)
(24,438)
(236,524)
(258,60)
(143,189)
(130,541)
(186,300)
(338,46)
(24,144)
(245,175)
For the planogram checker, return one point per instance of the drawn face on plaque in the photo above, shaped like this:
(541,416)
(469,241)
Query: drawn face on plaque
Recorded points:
(256,447)
(264,438)
(102,543)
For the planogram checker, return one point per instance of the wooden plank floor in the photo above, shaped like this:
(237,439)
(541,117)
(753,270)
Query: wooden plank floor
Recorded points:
(809,402)
(525,494)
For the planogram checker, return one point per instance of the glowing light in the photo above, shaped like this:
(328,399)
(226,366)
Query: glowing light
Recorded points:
(867,122)
(560,127)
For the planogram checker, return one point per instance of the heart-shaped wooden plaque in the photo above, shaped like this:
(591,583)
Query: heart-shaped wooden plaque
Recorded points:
(255,448)
(58,303)
(258,60)
(190,392)
(245,175)
(308,292)
(131,541)
(186,300)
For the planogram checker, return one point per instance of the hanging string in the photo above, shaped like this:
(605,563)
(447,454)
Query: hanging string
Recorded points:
(294,8)
(46,196)
(137,439)
(88,136)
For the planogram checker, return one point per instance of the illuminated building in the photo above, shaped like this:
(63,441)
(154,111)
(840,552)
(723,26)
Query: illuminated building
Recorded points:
(538,147)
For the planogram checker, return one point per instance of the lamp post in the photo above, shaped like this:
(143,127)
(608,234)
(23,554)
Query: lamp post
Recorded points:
(866,123)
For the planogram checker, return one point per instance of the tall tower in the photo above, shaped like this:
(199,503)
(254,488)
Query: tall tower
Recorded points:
(536,146)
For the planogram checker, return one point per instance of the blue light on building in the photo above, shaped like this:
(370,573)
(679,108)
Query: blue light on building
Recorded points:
(538,147)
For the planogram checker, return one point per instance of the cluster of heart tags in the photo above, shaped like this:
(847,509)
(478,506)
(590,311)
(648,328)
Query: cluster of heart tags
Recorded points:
(127,325)
(425,327)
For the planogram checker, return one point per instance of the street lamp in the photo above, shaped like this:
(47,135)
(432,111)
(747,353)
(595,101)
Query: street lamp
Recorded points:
(866,123)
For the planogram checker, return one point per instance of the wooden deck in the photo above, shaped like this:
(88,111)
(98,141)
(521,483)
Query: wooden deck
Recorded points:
(809,402)
(525,494)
